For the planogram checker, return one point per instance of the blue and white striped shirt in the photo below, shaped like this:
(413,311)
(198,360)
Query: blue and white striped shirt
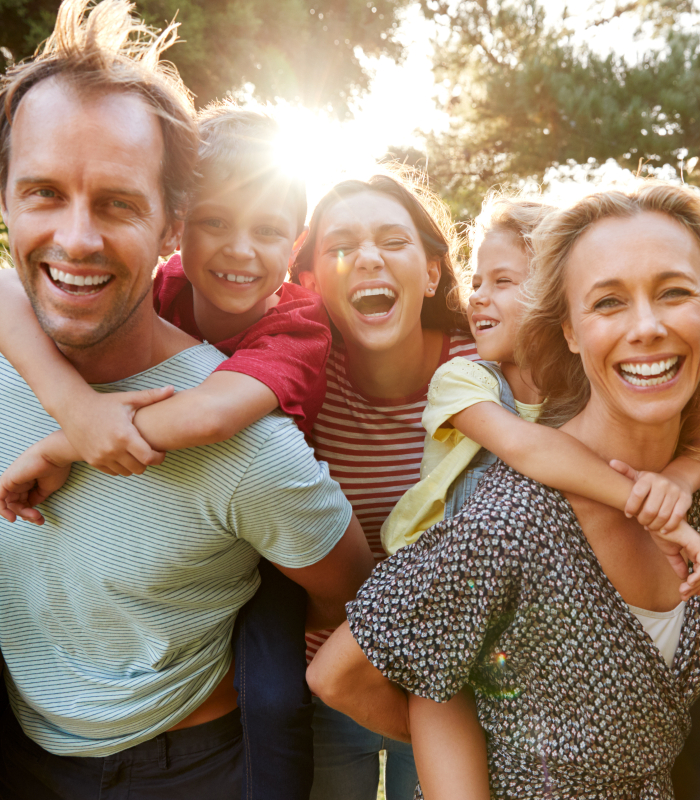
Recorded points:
(116,615)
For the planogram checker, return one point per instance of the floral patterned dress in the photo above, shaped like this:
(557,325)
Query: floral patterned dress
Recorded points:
(575,698)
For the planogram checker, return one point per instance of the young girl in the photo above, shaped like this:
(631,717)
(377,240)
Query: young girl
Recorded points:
(464,414)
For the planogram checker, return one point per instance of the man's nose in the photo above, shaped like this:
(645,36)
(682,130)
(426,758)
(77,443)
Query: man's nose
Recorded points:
(78,233)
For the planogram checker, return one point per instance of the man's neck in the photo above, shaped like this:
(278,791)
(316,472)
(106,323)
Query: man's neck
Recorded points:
(144,341)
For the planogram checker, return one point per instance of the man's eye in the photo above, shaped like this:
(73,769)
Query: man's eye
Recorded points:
(46,193)
(121,204)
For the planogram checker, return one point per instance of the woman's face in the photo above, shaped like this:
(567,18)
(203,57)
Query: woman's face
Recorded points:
(371,270)
(633,290)
(495,305)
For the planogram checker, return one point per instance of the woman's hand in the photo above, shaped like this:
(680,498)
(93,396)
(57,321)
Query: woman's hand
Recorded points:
(660,505)
(37,473)
(100,428)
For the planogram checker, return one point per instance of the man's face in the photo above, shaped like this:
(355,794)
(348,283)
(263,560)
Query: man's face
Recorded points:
(84,209)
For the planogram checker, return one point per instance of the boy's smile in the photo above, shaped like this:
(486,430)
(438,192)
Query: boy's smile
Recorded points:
(235,250)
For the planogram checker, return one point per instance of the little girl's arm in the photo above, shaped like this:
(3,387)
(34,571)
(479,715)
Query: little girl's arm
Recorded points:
(449,748)
(552,457)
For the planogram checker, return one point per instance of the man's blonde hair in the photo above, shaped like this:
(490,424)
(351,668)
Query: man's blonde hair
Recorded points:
(557,372)
(104,48)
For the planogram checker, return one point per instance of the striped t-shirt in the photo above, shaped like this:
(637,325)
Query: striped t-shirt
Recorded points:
(373,446)
(116,616)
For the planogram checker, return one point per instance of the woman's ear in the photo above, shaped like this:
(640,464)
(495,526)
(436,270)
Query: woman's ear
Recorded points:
(308,280)
(570,337)
(434,272)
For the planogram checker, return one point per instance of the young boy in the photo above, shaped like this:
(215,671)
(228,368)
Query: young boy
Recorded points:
(226,286)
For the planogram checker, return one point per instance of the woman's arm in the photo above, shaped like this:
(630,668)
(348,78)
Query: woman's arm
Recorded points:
(343,678)
(449,747)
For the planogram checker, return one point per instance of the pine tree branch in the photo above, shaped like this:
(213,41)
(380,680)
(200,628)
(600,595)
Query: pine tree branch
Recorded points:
(618,12)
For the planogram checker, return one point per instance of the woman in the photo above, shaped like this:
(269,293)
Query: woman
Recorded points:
(381,256)
(561,613)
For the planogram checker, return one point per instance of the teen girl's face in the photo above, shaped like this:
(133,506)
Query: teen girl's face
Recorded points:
(372,272)
(633,290)
(495,306)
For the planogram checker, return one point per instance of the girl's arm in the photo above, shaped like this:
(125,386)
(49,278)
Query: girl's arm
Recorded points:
(552,457)
(344,679)
(449,747)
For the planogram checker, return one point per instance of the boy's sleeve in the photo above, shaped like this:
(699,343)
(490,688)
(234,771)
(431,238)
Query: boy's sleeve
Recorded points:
(287,350)
(456,385)
(286,505)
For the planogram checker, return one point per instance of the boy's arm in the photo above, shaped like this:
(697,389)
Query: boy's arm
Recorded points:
(449,747)
(344,679)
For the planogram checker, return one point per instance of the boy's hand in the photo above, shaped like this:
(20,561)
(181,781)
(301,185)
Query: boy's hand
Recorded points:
(37,473)
(658,502)
(101,430)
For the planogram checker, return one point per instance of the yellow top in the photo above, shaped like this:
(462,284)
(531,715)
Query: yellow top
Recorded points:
(456,385)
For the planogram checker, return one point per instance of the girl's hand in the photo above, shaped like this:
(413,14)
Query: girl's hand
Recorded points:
(100,428)
(660,505)
(37,473)
(658,502)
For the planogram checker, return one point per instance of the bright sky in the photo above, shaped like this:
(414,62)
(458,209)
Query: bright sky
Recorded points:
(401,103)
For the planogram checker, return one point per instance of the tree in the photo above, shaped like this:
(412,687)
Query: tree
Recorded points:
(523,95)
(302,50)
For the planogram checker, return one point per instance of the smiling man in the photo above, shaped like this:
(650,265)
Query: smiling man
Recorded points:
(116,616)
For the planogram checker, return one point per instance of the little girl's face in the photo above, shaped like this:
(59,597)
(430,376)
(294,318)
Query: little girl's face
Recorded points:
(495,306)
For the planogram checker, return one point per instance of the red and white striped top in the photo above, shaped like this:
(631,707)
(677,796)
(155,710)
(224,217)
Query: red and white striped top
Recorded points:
(373,446)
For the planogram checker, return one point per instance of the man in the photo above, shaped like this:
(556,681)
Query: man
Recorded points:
(116,616)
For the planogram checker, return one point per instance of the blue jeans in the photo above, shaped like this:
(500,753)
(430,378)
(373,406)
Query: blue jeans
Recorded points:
(347,760)
(203,761)
(273,697)
(686,770)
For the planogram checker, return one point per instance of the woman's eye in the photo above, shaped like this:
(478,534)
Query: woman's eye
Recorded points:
(393,243)
(676,291)
(606,304)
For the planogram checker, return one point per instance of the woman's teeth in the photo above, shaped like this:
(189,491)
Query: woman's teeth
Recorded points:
(235,278)
(659,371)
(485,323)
(376,302)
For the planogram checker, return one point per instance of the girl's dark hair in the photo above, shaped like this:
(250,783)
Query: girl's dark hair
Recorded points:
(437,233)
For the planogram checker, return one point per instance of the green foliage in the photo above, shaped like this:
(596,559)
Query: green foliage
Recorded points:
(523,96)
(305,50)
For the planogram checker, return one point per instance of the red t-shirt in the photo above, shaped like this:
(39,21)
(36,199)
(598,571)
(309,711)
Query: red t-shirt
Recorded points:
(286,349)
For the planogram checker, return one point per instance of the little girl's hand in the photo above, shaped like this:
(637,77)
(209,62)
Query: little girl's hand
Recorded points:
(659,503)
(31,478)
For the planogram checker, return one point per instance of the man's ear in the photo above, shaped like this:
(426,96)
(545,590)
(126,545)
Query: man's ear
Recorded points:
(570,337)
(434,272)
(171,237)
(308,280)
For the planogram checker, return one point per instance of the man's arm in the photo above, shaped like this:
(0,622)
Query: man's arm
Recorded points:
(344,679)
(334,580)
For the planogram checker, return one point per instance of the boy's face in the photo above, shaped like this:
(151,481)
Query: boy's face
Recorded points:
(236,246)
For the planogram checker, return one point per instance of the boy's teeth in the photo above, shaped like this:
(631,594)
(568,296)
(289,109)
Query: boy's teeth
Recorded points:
(649,373)
(235,278)
(77,280)
(360,293)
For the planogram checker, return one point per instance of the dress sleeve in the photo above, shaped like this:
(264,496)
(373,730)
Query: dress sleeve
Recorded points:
(286,505)
(425,613)
(287,351)
(456,385)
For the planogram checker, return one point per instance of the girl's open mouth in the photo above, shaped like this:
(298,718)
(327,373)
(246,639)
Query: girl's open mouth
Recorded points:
(650,373)
(373,302)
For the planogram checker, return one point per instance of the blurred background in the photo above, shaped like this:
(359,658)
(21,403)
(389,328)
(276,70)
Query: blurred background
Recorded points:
(540,95)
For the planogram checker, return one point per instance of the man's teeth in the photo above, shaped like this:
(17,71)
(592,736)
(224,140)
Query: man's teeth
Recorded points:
(77,280)
(360,293)
(235,278)
(636,372)
(486,323)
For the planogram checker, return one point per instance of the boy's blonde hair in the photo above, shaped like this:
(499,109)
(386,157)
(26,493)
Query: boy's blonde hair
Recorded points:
(242,145)
(557,372)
